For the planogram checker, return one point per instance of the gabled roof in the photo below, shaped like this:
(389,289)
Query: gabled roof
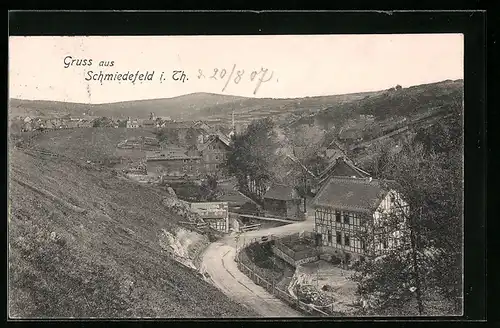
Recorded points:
(211,140)
(281,192)
(335,145)
(343,168)
(203,126)
(353,194)
(225,139)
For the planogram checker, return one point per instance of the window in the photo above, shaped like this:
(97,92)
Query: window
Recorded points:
(363,245)
(337,216)
(329,236)
(393,199)
(347,240)
(216,157)
(384,242)
(347,218)
(339,237)
(355,219)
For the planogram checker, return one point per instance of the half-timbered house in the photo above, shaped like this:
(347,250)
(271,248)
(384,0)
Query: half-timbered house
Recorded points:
(359,217)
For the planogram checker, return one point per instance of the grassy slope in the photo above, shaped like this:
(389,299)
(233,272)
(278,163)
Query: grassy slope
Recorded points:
(104,262)
(90,143)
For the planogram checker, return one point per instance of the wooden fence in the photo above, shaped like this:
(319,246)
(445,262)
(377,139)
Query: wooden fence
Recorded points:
(274,290)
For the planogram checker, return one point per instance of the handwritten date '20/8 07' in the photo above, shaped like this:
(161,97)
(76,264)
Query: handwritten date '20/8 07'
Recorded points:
(235,76)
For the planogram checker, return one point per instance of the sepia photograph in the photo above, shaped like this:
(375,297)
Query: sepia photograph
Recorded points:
(236,176)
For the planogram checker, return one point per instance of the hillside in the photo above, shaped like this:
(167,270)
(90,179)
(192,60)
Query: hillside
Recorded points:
(195,106)
(250,108)
(203,106)
(175,107)
(407,102)
(90,143)
(84,242)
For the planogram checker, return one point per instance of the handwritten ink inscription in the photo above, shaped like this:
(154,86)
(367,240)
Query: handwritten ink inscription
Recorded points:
(225,77)
(235,76)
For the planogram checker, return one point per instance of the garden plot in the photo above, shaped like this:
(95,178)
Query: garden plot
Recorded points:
(322,282)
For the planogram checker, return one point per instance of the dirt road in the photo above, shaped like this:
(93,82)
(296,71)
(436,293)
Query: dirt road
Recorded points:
(218,262)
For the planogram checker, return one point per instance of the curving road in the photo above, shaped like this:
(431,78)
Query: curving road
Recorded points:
(218,262)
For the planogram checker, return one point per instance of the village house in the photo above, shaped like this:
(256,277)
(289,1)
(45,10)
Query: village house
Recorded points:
(27,124)
(152,122)
(132,124)
(358,217)
(181,128)
(283,201)
(215,214)
(174,163)
(341,167)
(214,152)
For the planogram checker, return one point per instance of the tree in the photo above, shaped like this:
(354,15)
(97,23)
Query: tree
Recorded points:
(430,180)
(251,155)
(165,135)
(209,190)
(192,136)
(122,123)
(102,122)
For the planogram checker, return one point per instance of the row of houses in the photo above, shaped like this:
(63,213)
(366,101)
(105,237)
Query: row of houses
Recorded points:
(152,122)
(205,158)
(354,213)
(35,123)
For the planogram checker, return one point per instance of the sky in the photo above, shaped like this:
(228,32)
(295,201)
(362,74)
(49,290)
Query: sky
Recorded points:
(285,66)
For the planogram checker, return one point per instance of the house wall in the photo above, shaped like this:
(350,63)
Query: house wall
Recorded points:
(340,229)
(392,205)
(214,156)
(221,224)
(293,208)
(348,231)
(276,207)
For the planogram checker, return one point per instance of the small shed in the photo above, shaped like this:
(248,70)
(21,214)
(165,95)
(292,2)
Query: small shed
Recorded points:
(283,201)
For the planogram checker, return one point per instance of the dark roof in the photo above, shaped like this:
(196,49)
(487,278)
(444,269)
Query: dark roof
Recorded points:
(343,168)
(352,194)
(281,192)
(235,198)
